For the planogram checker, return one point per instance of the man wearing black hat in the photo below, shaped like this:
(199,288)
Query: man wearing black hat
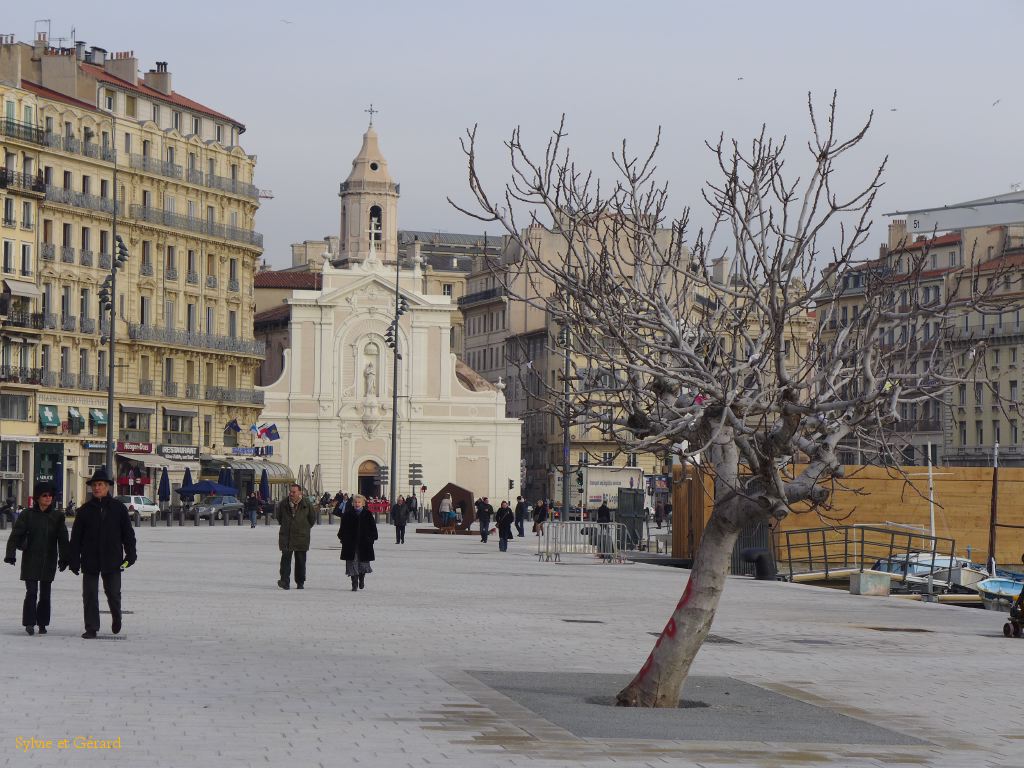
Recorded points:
(42,534)
(101,540)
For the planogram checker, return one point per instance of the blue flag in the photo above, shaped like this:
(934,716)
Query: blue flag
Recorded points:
(233,426)
(272,432)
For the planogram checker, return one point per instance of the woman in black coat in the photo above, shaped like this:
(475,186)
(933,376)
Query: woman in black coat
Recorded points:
(357,533)
(504,518)
(43,535)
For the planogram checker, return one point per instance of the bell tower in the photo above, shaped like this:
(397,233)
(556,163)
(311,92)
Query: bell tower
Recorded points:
(369,204)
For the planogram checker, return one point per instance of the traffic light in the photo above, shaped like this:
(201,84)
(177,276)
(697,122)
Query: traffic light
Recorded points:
(579,479)
(122,252)
(389,336)
(511,483)
(403,306)
(106,300)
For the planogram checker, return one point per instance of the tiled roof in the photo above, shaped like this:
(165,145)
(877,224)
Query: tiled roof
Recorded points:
(407,236)
(274,315)
(934,242)
(47,93)
(1012,258)
(172,98)
(307,281)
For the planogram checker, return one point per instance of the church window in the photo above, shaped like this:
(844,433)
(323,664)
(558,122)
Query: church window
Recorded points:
(374,166)
(376,222)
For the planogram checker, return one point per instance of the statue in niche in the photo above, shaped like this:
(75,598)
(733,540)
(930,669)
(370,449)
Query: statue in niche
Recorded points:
(370,380)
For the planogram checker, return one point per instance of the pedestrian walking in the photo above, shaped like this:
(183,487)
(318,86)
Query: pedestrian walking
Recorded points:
(102,542)
(42,535)
(252,507)
(484,512)
(504,519)
(400,516)
(357,532)
(296,516)
(540,516)
(604,539)
(520,516)
(446,514)
(414,507)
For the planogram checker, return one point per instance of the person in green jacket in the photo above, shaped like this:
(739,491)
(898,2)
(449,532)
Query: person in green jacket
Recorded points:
(297,517)
(43,535)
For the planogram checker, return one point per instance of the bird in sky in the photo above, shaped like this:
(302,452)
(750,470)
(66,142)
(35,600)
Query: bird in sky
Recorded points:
(893,109)
(996,102)
(286,21)
(739,78)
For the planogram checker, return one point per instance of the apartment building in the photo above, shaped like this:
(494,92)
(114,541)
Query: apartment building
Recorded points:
(92,148)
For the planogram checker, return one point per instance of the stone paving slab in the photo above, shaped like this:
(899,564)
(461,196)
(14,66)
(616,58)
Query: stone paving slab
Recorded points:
(217,666)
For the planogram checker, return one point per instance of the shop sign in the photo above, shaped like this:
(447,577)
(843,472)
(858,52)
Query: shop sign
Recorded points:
(259,450)
(133,447)
(95,446)
(179,452)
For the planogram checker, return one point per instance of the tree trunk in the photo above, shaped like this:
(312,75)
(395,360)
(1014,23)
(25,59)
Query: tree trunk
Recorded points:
(660,680)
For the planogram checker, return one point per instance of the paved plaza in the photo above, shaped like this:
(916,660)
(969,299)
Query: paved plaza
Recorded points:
(457,654)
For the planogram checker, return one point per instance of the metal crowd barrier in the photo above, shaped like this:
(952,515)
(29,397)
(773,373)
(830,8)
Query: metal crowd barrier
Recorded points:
(603,540)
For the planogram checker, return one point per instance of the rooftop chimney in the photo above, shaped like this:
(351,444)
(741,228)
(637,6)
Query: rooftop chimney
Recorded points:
(80,50)
(124,65)
(40,45)
(98,56)
(159,79)
(897,233)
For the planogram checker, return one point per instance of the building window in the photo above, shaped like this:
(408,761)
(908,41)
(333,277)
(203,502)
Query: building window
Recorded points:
(176,120)
(979,433)
(156,114)
(631,460)
(963,433)
(1014,436)
(135,427)
(14,407)
(177,430)
(8,457)
(446,289)
(220,134)
(207,429)
(230,438)
(606,458)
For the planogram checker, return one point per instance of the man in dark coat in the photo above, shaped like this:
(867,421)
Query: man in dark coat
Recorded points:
(102,540)
(400,517)
(414,507)
(357,532)
(484,512)
(297,517)
(520,516)
(43,535)
(503,520)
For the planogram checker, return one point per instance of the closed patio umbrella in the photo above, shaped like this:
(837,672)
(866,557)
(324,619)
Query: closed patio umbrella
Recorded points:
(163,493)
(264,485)
(187,481)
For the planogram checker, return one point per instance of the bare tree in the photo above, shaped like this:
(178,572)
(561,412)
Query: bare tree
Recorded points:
(725,350)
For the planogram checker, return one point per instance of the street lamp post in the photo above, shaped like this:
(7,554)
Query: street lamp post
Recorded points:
(563,338)
(391,338)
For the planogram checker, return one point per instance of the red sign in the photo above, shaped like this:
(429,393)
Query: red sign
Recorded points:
(130,447)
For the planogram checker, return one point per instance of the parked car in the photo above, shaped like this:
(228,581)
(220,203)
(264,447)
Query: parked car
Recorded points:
(218,506)
(144,505)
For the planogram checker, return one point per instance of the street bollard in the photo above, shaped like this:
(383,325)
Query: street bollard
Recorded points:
(137,519)
(152,520)
(239,517)
(212,521)
(169,518)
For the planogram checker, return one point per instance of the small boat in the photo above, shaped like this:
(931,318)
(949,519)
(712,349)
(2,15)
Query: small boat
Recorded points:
(1007,589)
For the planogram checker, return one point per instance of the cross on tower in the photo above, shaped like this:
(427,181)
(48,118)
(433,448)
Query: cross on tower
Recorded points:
(371,111)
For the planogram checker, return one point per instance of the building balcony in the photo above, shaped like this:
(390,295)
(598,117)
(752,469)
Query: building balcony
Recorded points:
(228,395)
(85,257)
(75,146)
(481,296)
(15,374)
(194,176)
(231,186)
(88,325)
(68,322)
(15,129)
(192,391)
(86,381)
(27,225)
(155,166)
(211,281)
(48,378)
(146,269)
(67,254)
(29,320)
(368,186)
(21,182)
(145,386)
(9,222)
(68,380)
(102,380)
(170,273)
(192,278)
(49,321)
(63,196)
(192,224)
(48,251)
(99,151)
(918,425)
(104,261)
(149,333)
(233,285)
(171,388)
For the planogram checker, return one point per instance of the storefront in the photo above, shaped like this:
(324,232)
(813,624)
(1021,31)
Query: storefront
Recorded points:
(74,427)
(140,468)
(246,472)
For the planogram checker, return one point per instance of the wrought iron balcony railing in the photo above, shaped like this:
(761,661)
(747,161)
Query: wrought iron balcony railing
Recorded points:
(155,165)
(17,374)
(68,380)
(21,182)
(48,251)
(225,394)
(86,381)
(171,273)
(192,277)
(171,388)
(63,196)
(48,378)
(85,257)
(31,320)
(101,382)
(15,129)
(88,325)
(68,322)
(104,261)
(192,224)
(145,386)
(233,285)
(67,254)
(211,281)
(139,332)
(233,186)
(50,321)
(99,151)
(481,296)
(192,391)
(146,269)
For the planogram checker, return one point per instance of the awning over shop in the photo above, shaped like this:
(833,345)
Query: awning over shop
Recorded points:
(156,461)
(193,412)
(77,422)
(98,416)
(276,472)
(22,288)
(49,416)
(136,409)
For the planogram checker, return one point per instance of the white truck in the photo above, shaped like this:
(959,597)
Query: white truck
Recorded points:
(599,483)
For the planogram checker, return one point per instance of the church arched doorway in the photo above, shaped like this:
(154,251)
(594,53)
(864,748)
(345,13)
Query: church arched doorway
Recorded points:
(367,479)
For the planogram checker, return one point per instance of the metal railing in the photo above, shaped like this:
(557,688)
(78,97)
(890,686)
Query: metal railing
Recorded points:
(171,388)
(85,257)
(835,552)
(48,251)
(65,143)
(139,332)
(232,186)
(192,391)
(68,322)
(211,281)
(104,261)
(22,181)
(67,254)
(99,151)
(55,194)
(15,129)
(86,381)
(604,540)
(88,325)
(10,222)
(192,277)
(155,165)
(481,296)
(50,321)
(20,375)
(101,382)
(225,394)
(368,186)
(192,224)
(145,386)
(146,269)
(48,378)
(20,319)
(68,380)
(134,436)
(233,285)
(171,273)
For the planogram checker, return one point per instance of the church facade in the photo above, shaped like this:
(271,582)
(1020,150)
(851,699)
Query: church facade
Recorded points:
(333,400)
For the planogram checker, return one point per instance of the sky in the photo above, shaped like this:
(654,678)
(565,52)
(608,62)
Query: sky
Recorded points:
(941,76)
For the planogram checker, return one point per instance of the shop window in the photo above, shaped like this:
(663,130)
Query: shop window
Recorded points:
(14,407)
